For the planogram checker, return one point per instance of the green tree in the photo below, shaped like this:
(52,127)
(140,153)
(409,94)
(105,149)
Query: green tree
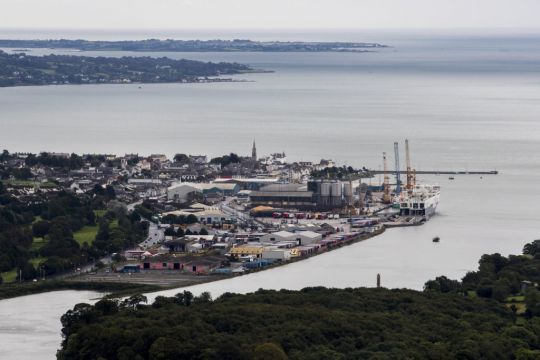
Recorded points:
(180,232)
(191,219)
(182,159)
(526,354)
(532,248)
(28,272)
(134,301)
(170,231)
(127,353)
(442,284)
(269,351)
(41,228)
(184,298)
(532,302)
(165,348)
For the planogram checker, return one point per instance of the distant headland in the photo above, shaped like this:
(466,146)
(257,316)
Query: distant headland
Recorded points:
(170,45)
(20,69)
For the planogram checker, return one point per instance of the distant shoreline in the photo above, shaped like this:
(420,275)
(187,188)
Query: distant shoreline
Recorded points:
(21,69)
(154,45)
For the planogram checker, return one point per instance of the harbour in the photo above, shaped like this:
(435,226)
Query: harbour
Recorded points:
(294,102)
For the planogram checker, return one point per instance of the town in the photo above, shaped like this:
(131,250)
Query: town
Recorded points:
(171,222)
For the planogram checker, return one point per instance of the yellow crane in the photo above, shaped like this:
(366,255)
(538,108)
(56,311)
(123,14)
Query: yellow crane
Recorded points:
(386,186)
(410,176)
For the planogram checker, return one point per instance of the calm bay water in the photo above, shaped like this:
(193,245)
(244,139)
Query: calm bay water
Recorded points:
(466,102)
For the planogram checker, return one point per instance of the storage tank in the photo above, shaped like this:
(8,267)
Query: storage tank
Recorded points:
(336,189)
(347,189)
(348,193)
(326,188)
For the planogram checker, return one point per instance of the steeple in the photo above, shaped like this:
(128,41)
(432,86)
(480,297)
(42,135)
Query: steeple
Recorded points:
(254,152)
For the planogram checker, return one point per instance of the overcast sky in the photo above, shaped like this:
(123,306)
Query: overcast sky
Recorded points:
(273,14)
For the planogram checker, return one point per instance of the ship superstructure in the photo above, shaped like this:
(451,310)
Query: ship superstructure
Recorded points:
(417,199)
(421,200)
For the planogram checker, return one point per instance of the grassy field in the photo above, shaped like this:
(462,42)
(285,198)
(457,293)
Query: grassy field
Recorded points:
(100,213)
(29,183)
(37,243)
(9,276)
(87,233)
(36,261)
(518,301)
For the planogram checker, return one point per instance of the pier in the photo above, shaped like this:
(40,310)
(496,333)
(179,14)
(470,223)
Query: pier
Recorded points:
(440,172)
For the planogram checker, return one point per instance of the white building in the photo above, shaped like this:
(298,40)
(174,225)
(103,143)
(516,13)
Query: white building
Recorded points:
(279,236)
(308,237)
(182,192)
(276,254)
(302,237)
(213,216)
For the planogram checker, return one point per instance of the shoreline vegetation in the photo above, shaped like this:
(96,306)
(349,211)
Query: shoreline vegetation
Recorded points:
(20,69)
(110,289)
(492,313)
(170,45)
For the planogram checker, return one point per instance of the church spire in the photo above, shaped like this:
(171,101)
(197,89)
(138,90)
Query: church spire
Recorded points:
(254,152)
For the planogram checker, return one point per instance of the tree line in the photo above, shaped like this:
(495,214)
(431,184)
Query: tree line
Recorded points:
(55,219)
(448,320)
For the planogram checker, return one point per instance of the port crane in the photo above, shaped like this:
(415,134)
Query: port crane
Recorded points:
(386,185)
(410,180)
(398,176)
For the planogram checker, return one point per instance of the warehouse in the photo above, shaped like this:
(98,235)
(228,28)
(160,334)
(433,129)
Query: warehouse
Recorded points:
(301,237)
(283,196)
(276,254)
(183,192)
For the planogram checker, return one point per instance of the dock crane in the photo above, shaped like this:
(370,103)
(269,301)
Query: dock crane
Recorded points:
(409,185)
(398,177)
(386,185)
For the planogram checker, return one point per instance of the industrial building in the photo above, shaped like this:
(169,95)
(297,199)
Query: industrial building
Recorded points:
(283,196)
(331,194)
(316,195)
(276,254)
(248,183)
(185,192)
(301,237)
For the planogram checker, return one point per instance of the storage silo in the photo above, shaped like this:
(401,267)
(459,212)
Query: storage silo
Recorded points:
(336,193)
(348,193)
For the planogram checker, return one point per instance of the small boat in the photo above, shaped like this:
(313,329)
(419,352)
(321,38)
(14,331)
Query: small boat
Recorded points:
(436,239)
(450,178)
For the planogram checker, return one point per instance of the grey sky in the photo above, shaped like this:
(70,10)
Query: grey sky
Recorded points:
(235,14)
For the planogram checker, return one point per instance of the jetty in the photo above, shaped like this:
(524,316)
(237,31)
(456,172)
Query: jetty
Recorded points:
(440,172)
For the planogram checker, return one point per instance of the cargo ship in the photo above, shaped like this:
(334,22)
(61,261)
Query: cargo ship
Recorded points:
(421,200)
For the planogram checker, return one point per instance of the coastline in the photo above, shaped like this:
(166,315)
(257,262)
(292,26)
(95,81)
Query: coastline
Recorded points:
(10,291)
(119,289)
(202,81)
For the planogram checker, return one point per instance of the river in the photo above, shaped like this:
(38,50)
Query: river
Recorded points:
(466,102)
